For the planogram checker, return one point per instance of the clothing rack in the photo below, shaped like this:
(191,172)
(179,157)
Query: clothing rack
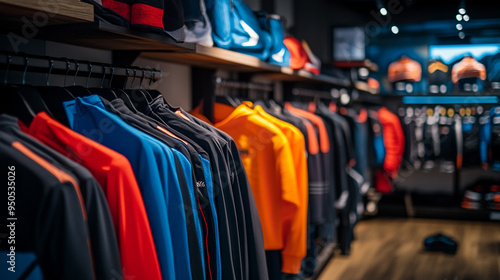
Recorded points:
(342,95)
(71,67)
(455,102)
(315,93)
(221,83)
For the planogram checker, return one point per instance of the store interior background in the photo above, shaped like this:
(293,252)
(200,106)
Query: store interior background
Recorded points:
(421,24)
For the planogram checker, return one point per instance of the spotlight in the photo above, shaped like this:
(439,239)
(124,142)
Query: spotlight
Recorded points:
(383,11)
(461,11)
(395,29)
(459,17)
(461,35)
(466,18)
(459,26)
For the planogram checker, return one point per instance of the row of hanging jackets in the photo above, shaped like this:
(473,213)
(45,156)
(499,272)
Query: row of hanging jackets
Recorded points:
(309,166)
(443,138)
(125,186)
(128,186)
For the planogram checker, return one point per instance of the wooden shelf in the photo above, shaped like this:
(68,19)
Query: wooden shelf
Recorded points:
(55,11)
(103,35)
(213,57)
(217,58)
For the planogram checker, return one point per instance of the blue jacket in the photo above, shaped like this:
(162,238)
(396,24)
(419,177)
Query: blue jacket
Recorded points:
(154,168)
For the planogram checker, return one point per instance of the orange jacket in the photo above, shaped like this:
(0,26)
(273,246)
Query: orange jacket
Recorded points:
(268,161)
(299,224)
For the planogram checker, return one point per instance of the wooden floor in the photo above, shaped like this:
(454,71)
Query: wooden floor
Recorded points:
(387,249)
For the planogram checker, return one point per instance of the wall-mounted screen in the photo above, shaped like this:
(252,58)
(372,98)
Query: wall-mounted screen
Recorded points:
(348,44)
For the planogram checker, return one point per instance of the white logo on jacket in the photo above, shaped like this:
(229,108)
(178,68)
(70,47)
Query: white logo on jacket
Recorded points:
(279,55)
(254,37)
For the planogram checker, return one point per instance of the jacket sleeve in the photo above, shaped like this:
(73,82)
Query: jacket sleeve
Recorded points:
(294,248)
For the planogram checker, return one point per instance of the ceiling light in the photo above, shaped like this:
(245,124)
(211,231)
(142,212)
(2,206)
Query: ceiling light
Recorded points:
(466,17)
(395,29)
(459,17)
(461,35)
(459,26)
(461,11)
(383,11)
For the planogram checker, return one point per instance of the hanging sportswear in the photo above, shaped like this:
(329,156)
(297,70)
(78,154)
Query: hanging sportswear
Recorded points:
(495,137)
(268,162)
(320,192)
(58,235)
(148,157)
(471,128)
(114,174)
(485,138)
(102,234)
(195,175)
(256,253)
(299,224)
(393,141)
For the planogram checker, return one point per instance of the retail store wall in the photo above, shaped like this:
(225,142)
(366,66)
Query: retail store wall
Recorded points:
(175,84)
(314,23)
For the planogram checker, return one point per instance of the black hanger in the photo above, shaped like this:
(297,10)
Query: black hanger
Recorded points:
(55,96)
(148,97)
(137,96)
(223,95)
(80,91)
(105,93)
(22,101)
(123,96)
(16,105)
(153,93)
